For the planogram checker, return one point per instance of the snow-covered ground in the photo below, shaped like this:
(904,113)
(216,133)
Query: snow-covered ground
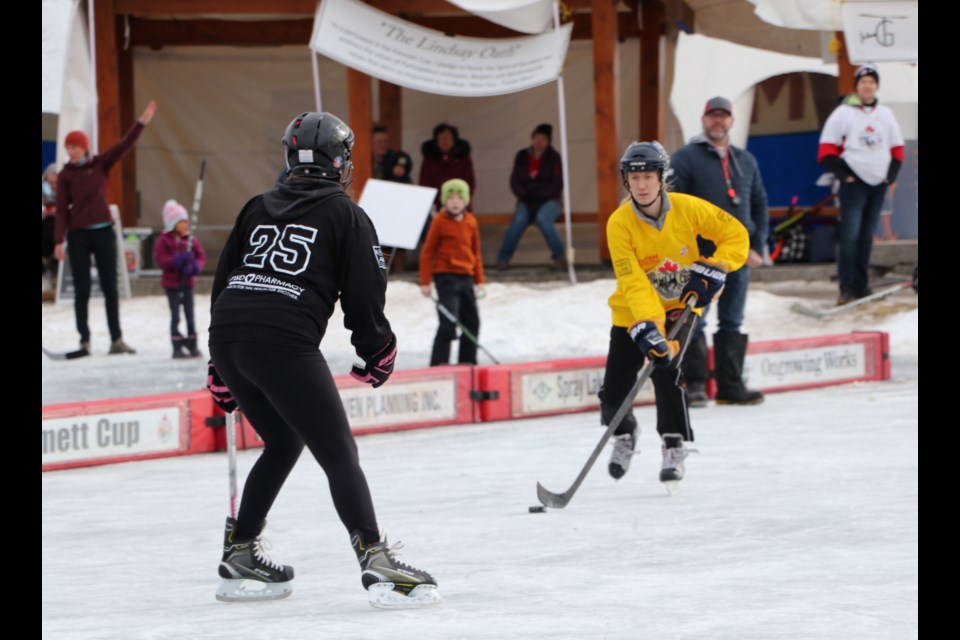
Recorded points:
(798,519)
(519,322)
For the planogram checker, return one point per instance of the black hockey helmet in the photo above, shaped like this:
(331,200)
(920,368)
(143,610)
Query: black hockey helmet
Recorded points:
(318,144)
(644,156)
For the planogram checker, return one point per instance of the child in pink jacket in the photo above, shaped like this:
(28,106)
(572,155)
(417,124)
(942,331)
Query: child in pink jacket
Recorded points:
(181,257)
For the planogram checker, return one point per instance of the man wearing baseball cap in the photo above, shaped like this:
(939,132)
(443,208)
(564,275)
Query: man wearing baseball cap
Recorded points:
(710,167)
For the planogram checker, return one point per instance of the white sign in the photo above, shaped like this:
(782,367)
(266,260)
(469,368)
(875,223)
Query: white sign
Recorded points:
(109,435)
(398,211)
(806,366)
(401,403)
(561,390)
(882,31)
(403,53)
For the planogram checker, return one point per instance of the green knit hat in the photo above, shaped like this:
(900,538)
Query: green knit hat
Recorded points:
(455,186)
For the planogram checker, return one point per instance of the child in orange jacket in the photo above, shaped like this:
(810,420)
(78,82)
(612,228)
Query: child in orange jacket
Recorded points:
(451,256)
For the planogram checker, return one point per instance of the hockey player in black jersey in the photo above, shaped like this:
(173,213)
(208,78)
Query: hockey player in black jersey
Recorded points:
(293,252)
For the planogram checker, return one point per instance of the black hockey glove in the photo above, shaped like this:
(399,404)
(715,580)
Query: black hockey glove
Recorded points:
(706,282)
(649,337)
(379,366)
(221,394)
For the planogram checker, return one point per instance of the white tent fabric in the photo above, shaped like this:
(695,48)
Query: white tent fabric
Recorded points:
(818,15)
(57,18)
(230,105)
(707,67)
(525,16)
(78,100)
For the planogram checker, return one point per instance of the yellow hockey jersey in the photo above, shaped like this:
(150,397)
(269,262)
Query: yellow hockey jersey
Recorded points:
(652,264)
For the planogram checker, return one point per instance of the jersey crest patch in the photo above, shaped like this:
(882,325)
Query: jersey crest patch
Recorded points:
(669,279)
(622,267)
(378,254)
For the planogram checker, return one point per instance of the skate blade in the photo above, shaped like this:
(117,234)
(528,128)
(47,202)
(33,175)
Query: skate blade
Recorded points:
(232,590)
(383,596)
(672,487)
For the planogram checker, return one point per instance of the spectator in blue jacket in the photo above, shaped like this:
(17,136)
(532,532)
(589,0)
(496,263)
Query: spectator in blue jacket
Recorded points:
(710,167)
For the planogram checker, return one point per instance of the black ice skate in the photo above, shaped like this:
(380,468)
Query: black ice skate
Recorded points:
(248,572)
(392,584)
(674,453)
(623,453)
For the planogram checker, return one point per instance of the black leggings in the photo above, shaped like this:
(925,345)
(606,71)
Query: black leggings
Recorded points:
(624,361)
(102,245)
(290,398)
(175,298)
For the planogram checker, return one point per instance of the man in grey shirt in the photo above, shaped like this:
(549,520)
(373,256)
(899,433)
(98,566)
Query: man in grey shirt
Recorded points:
(711,168)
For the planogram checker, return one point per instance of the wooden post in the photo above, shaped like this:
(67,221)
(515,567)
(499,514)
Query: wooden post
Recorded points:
(605,108)
(360,120)
(845,69)
(108,89)
(651,115)
(391,113)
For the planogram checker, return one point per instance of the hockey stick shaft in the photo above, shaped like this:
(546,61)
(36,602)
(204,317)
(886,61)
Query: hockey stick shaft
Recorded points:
(472,338)
(560,500)
(818,313)
(231,426)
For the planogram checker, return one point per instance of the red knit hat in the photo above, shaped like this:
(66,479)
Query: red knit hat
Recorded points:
(78,139)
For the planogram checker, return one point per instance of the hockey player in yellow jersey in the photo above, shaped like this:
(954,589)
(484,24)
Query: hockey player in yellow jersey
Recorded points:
(653,247)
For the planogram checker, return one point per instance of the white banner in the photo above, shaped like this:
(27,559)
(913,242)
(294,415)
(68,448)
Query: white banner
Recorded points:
(779,369)
(561,390)
(109,435)
(882,31)
(386,47)
(401,403)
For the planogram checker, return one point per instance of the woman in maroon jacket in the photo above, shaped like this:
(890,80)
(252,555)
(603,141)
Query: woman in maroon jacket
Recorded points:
(84,220)
(445,157)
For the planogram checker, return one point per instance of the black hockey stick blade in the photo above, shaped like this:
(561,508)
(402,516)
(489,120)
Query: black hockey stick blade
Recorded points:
(65,355)
(560,500)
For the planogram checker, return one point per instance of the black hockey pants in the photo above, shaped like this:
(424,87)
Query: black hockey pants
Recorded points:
(624,361)
(289,396)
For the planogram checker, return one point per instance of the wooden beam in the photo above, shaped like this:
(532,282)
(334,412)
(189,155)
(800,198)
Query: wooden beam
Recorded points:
(605,109)
(845,69)
(108,90)
(390,108)
(166,8)
(266,33)
(651,113)
(128,168)
(361,121)
(273,33)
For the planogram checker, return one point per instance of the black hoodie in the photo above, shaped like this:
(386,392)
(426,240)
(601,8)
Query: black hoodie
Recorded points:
(292,253)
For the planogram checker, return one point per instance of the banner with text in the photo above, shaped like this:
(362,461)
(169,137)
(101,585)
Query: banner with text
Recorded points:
(406,54)
(882,31)
(119,434)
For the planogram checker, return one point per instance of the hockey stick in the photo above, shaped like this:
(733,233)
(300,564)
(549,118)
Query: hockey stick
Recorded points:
(826,313)
(231,426)
(194,219)
(560,500)
(65,355)
(452,318)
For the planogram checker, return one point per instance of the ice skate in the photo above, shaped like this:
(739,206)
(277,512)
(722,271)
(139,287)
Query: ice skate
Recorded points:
(392,584)
(674,453)
(248,572)
(623,453)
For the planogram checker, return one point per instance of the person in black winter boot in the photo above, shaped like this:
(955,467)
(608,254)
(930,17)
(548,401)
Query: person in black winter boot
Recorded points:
(729,350)
(694,367)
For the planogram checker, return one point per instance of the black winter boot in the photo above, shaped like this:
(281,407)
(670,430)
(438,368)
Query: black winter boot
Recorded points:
(729,350)
(695,371)
(179,343)
(191,344)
